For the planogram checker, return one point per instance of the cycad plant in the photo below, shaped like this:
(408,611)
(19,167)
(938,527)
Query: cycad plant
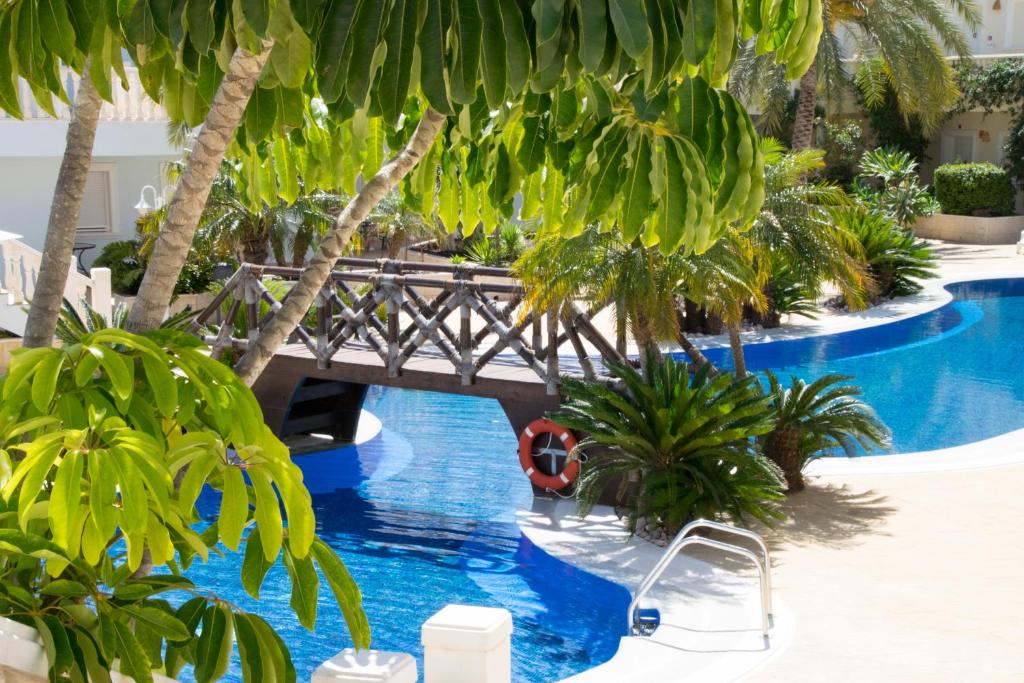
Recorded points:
(678,446)
(72,327)
(896,260)
(888,183)
(812,419)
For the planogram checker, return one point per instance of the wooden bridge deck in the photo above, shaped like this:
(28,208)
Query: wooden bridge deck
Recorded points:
(502,378)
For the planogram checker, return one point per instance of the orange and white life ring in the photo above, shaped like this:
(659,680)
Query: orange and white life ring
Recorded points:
(528,438)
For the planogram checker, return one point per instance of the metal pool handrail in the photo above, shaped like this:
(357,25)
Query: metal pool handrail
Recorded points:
(762,562)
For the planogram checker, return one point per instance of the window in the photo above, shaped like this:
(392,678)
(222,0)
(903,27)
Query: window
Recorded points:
(958,147)
(97,216)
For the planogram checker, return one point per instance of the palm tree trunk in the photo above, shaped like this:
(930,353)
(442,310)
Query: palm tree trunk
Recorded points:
(739,361)
(803,127)
(300,245)
(65,209)
(316,274)
(698,358)
(175,237)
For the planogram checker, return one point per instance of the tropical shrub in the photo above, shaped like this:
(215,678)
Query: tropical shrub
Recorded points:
(684,444)
(998,86)
(813,419)
(843,146)
(105,445)
(503,246)
(896,260)
(888,184)
(125,264)
(974,189)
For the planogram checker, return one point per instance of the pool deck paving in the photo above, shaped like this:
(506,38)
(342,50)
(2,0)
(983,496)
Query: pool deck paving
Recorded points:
(889,568)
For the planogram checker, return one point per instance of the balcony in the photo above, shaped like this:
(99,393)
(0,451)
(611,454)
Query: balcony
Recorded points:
(132,104)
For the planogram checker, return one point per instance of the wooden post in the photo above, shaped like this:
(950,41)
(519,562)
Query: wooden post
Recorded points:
(252,308)
(552,351)
(394,305)
(466,337)
(323,323)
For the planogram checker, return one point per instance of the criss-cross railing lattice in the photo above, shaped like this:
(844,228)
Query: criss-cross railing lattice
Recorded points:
(399,309)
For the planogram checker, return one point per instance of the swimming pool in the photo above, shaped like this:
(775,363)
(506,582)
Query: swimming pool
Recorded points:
(945,378)
(424,515)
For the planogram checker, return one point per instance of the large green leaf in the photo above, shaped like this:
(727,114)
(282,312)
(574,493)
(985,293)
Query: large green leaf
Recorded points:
(366,27)
(494,60)
(213,649)
(334,47)
(630,21)
(400,39)
(305,587)
(57,31)
(234,507)
(636,204)
(465,68)
(433,70)
(346,592)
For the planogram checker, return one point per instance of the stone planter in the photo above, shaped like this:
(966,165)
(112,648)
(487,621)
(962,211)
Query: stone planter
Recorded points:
(970,229)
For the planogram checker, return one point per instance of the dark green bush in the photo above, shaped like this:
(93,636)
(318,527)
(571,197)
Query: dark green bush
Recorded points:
(974,189)
(125,264)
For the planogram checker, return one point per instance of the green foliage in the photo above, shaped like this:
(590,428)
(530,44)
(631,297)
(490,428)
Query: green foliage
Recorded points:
(998,86)
(532,91)
(504,246)
(125,264)
(974,189)
(72,327)
(796,245)
(844,146)
(105,444)
(892,129)
(127,260)
(682,446)
(895,259)
(814,419)
(888,184)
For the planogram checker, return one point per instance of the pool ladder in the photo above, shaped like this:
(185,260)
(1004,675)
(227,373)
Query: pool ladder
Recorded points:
(643,622)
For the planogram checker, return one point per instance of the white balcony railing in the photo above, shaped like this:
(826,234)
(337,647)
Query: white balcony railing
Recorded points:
(132,104)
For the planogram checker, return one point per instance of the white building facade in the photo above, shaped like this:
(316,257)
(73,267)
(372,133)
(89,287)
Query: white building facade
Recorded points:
(130,153)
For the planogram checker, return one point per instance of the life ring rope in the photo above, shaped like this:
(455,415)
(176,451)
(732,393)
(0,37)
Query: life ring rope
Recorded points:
(544,427)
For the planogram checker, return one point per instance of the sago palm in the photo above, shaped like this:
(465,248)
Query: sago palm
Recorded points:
(898,45)
(812,419)
(680,446)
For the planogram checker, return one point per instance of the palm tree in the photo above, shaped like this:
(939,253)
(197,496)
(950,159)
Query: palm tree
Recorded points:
(65,209)
(233,228)
(393,220)
(643,285)
(900,45)
(795,239)
(811,419)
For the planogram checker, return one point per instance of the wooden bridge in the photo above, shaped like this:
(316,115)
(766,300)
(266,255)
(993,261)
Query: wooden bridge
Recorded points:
(391,323)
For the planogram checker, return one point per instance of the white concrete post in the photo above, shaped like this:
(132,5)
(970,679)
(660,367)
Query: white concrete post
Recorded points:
(464,644)
(102,298)
(367,666)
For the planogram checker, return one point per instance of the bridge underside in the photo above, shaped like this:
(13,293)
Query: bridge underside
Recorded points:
(293,383)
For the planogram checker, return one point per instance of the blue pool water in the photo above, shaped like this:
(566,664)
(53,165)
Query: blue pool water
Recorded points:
(944,378)
(423,516)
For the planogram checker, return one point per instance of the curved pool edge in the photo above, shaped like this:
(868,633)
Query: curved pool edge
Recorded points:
(934,295)
(709,615)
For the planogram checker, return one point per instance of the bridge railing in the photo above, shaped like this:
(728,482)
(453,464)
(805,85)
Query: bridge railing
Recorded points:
(402,309)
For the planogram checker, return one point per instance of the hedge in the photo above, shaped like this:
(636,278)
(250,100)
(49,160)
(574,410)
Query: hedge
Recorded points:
(974,189)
